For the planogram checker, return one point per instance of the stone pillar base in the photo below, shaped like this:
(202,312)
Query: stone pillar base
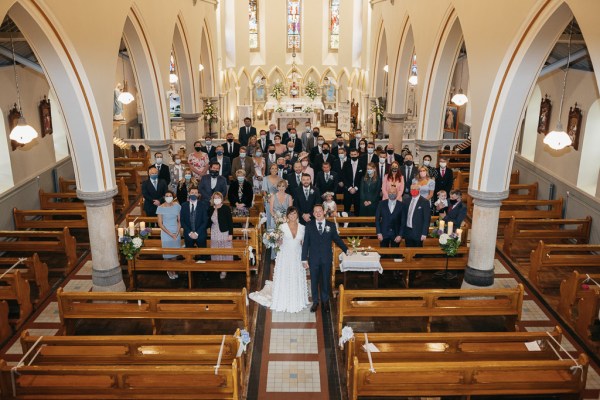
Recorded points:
(429,147)
(394,125)
(194,130)
(159,146)
(108,280)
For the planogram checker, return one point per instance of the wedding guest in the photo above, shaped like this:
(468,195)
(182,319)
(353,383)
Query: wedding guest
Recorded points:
(170,226)
(369,192)
(259,170)
(198,161)
(184,185)
(221,229)
(240,195)
(425,183)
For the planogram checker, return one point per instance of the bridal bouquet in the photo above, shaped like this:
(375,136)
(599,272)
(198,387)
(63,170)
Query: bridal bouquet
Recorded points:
(272,239)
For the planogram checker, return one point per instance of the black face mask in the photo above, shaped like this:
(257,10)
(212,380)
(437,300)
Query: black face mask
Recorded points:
(453,202)
(325,151)
(390,152)
(214,174)
(315,133)
(229,140)
(354,158)
(340,143)
(271,151)
(408,162)
(197,148)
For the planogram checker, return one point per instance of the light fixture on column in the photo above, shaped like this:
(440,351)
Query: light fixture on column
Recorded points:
(413,79)
(173,78)
(125,97)
(200,67)
(21,133)
(386,68)
(558,139)
(460,99)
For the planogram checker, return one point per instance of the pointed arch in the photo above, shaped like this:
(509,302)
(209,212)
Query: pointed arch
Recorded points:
(403,62)
(379,61)
(185,68)
(259,72)
(312,72)
(274,74)
(328,71)
(245,85)
(208,75)
(244,73)
(343,84)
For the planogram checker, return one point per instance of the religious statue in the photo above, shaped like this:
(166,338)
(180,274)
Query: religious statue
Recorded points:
(354,114)
(117,105)
(294,92)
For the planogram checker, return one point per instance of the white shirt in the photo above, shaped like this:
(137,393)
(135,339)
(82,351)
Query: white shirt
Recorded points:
(213,182)
(354,168)
(392,205)
(411,210)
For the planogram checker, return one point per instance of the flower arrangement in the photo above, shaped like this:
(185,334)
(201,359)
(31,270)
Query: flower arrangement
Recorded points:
(354,242)
(278,91)
(449,242)
(130,245)
(307,110)
(377,111)
(311,90)
(279,109)
(272,239)
(209,112)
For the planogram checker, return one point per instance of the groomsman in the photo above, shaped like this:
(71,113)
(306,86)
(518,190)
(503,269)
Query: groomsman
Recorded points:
(263,142)
(327,180)
(305,198)
(388,220)
(246,131)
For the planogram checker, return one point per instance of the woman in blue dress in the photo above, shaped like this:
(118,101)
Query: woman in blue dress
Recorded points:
(168,221)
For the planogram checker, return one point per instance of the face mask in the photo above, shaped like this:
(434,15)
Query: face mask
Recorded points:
(229,140)
(290,149)
(320,142)
(208,142)
(354,158)
(390,152)
(198,148)
(193,197)
(304,163)
(325,151)
(214,174)
(279,166)
(362,146)
(153,176)
(187,177)
(293,136)
(263,137)
(240,179)
(243,155)
(315,133)
(408,162)
(271,151)
(382,161)
(342,157)
(427,163)
(159,161)
(453,202)
(392,196)
(414,192)
(370,151)
(217,201)
(169,199)
(219,153)
(340,143)
(370,172)
(258,154)
(307,128)
(394,169)
(178,161)
(358,135)
(423,174)
(442,165)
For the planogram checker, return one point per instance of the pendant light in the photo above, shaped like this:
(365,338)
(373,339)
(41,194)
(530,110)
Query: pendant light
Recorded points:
(460,99)
(21,133)
(558,139)
(413,79)
(125,97)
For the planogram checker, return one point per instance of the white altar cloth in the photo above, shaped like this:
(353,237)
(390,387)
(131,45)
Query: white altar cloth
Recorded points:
(288,103)
(358,262)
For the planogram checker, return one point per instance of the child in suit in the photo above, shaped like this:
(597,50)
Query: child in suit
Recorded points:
(441,205)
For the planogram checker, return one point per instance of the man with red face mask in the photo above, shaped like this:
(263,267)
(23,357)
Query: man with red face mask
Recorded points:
(415,219)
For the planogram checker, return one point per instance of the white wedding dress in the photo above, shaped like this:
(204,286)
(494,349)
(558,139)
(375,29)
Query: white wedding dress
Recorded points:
(288,292)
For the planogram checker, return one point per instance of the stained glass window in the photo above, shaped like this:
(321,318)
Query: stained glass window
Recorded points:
(334,24)
(293,24)
(253,24)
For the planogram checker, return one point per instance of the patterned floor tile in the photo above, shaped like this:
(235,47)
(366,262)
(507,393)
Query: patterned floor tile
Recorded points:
(292,341)
(86,269)
(16,347)
(505,283)
(303,316)
(293,376)
(50,314)
(593,380)
(78,285)
(564,342)
(532,312)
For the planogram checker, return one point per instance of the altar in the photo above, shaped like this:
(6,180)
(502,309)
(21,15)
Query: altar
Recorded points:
(289,104)
(281,119)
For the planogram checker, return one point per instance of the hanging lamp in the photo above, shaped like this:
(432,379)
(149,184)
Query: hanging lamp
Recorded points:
(413,79)
(125,97)
(558,139)
(22,132)
(460,99)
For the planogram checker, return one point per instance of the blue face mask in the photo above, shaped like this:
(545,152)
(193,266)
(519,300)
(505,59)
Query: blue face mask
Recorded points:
(240,179)
(154,176)
(219,153)
(193,197)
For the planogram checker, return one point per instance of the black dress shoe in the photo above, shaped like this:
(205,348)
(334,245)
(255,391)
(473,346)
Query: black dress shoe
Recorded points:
(326,307)
(314,307)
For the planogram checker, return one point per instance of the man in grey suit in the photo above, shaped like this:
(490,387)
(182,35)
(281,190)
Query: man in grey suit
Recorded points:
(245,163)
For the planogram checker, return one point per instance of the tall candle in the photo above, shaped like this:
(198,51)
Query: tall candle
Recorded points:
(459,234)
(120,232)
(142,226)
(131,229)
(450,226)
(442,224)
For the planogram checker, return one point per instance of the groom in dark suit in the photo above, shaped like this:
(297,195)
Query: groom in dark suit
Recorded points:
(317,255)
(305,198)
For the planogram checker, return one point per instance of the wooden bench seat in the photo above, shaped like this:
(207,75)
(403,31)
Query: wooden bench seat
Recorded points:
(50,219)
(549,261)
(587,310)
(60,201)
(571,291)
(42,242)
(503,377)
(431,303)
(122,199)
(5,330)
(15,288)
(150,259)
(132,179)
(32,269)
(153,306)
(139,163)
(461,180)
(121,382)
(521,236)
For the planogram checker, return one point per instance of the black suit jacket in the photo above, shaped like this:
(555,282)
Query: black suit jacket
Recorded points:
(408,179)
(348,179)
(206,192)
(327,186)
(420,219)
(444,182)
(292,184)
(338,166)
(225,167)
(243,136)
(201,220)
(317,163)
(211,153)
(317,247)
(303,205)
(150,194)
(457,214)
(364,160)
(231,155)
(297,144)
(264,146)
(386,223)
(163,172)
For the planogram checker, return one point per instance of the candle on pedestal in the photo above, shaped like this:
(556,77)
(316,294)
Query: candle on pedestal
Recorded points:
(450,226)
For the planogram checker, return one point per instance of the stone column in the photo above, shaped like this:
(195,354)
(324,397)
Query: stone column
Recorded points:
(106,270)
(194,130)
(365,107)
(430,147)
(157,146)
(479,273)
(394,124)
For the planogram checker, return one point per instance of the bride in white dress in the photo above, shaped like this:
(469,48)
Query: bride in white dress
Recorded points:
(288,292)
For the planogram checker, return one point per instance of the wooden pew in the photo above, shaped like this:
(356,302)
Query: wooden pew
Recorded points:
(17,289)
(42,242)
(44,219)
(153,306)
(369,236)
(140,164)
(121,382)
(66,185)
(150,259)
(588,309)
(32,269)
(431,303)
(560,258)
(571,292)
(406,259)
(456,160)
(131,177)
(60,201)
(502,377)
(521,236)
(5,331)
(461,180)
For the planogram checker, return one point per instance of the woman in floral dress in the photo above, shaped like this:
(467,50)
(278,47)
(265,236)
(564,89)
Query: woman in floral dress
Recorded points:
(198,161)
(221,230)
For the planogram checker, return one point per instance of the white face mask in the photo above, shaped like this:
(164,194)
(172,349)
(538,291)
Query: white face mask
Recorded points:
(358,135)
(159,161)
(242,155)
(178,161)
(426,163)
(208,142)
(442,165)
(370,151)
(217,201)
(382,160)
(169,199)
(320,142)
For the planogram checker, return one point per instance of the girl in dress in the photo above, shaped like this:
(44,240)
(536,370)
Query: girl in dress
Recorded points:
(168,221)
(393,178)
(329,205)
(221,230)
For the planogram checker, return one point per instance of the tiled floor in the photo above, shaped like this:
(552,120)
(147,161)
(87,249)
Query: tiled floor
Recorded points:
(293,376)
(49,314)
(284,341)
